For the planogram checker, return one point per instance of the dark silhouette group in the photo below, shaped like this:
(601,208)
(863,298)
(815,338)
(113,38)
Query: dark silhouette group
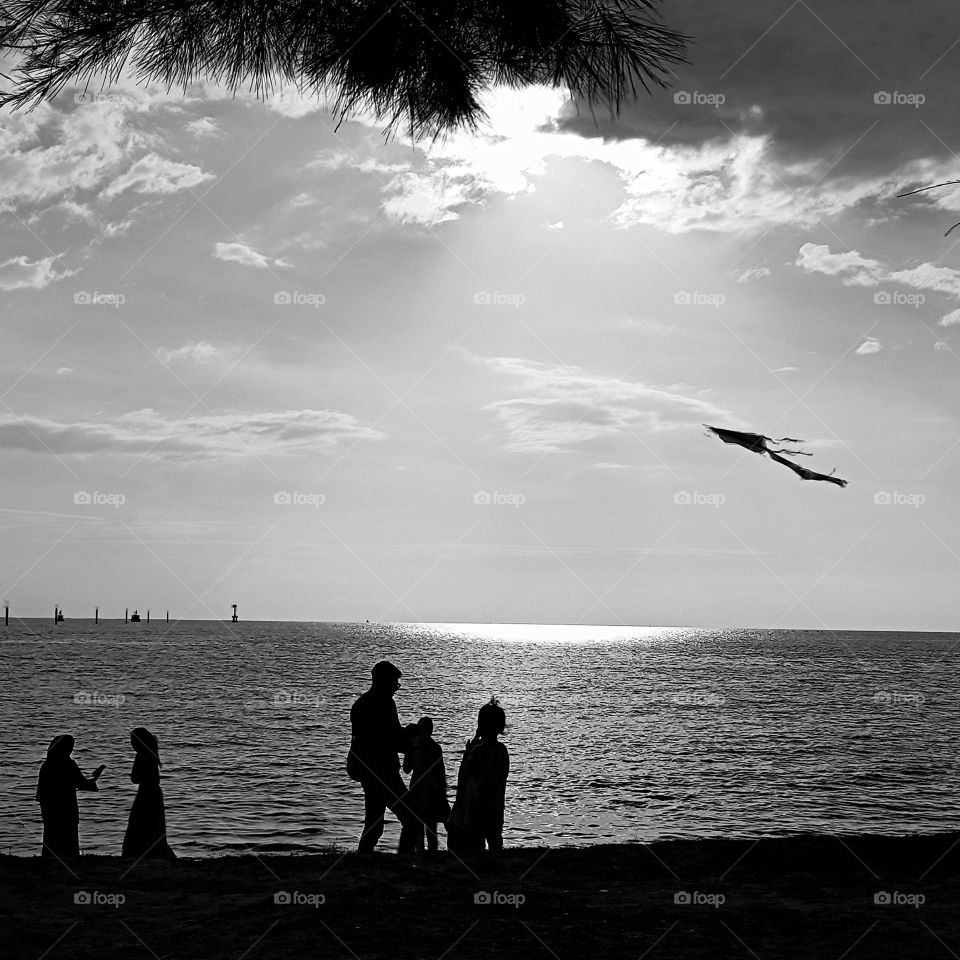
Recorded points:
(474,823)
(57,785)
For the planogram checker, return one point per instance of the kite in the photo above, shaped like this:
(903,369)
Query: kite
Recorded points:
(758,443)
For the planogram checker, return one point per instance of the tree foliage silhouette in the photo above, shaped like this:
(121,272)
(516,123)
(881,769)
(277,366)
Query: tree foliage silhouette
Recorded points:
(417,65)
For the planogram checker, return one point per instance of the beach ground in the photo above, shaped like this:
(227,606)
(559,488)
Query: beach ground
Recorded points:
(825,897)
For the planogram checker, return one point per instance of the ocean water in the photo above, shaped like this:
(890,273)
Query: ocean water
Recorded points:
(615,734)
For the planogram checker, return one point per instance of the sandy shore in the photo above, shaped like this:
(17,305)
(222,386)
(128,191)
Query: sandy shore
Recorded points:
(794,897)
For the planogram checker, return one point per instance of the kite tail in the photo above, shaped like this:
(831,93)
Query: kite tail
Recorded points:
(791,453)
(785,440)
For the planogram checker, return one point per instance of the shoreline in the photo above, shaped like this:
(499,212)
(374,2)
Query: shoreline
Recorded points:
(805,895)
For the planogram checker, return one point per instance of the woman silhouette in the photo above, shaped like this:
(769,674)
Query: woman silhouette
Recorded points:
(60,779)
(146,835)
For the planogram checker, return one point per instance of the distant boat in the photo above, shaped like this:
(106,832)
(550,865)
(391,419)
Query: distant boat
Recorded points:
(134,617)
(59,617)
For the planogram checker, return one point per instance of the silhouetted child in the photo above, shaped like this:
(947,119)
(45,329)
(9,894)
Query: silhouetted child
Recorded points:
(428,784)
(481,786)
(57,785)
(146,836)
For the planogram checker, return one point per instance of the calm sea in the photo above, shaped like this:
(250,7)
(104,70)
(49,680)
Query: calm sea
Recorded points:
(614,734)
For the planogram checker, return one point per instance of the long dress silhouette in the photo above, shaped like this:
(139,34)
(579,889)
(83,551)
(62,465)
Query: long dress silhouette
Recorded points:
(57,784)
(146,836)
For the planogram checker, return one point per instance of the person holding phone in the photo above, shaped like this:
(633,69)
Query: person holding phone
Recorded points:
(57,785)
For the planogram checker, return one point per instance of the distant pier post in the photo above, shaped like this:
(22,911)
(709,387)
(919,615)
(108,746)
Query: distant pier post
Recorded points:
(126,615)
(234,618)
(168,616)
(6,613)
(148,614)
(96,614)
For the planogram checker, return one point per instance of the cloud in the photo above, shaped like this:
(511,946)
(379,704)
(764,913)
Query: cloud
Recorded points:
(806,79)
(850,267)
(243,254)
(155,174)
(870,345)
(197,351)
(203,127)
(786,369)
(47,153)
(63,371)
(566,407)
(753,273)
(434,197)
(854,270)
(951,319)
(149,434)
(18,273)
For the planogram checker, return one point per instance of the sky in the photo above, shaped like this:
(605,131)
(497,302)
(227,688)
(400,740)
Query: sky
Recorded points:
(250,356)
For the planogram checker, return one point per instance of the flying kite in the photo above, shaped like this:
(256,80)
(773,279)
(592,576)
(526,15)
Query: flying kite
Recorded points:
(758,443)
(933,186)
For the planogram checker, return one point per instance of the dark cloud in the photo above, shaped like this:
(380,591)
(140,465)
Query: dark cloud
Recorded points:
(806,74)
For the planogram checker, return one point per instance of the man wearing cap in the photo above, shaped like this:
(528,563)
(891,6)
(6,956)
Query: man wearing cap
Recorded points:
(378,738)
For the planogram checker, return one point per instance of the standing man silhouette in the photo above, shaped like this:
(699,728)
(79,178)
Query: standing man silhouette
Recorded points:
(378,739)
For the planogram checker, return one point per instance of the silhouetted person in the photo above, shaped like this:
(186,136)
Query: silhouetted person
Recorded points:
(481,786)
(428,783)
(146,836)
(378,739)
(57,785)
